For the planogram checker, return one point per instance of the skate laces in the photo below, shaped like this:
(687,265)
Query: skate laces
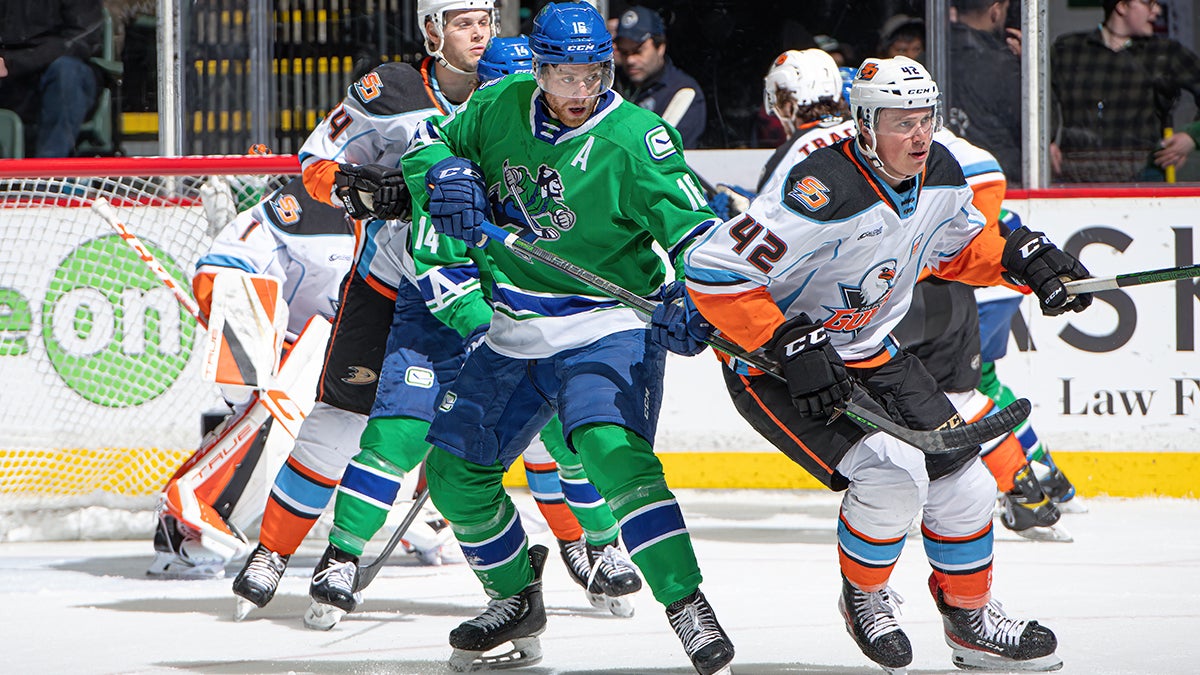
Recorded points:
(696,625)
(876,611)
(611,563)
(498,613)
(577,557)
(265,568)
(337,574)
(990,623)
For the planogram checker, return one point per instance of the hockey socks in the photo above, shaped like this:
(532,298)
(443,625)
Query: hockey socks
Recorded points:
(391,447)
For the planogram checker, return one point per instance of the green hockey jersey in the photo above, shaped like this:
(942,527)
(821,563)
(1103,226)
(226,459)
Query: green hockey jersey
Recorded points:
(599,195)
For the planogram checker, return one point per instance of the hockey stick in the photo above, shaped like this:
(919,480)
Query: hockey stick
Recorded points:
(368,572)
(273,399)
(933,442)
(1132,279)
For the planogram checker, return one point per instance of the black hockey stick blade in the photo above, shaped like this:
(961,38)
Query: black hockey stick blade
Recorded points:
(934,442)
(941,441)
(367,573)
(1132,279)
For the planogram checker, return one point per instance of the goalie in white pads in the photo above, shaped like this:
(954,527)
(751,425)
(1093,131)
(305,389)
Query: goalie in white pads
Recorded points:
(267,286)
(818,274)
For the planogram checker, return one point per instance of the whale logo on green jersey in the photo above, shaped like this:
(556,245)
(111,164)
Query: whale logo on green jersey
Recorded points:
(540,192)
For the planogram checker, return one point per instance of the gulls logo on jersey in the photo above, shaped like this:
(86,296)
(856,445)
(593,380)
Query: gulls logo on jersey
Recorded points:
(540,193)
(862,302)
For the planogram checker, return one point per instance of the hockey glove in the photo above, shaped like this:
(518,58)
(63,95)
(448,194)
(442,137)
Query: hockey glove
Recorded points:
(816,375)
(458,201)
(1029,258)
(676,323)
(372,191)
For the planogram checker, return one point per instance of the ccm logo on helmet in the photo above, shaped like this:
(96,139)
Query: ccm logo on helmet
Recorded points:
(923,90)
(581,48)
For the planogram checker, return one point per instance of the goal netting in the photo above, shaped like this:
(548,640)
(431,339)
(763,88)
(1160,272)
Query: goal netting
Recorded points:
(100,389)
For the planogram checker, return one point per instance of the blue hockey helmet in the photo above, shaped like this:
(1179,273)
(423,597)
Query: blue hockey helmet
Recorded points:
(567,35)
(570,32)
(505,56)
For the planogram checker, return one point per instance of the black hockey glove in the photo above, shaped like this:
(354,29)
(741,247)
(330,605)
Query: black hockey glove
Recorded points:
(372,191)
(816,375)
(1029,258)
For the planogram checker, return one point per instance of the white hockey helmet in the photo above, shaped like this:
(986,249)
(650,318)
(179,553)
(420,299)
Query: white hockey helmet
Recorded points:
(898,82)
(435,12)
(806,77)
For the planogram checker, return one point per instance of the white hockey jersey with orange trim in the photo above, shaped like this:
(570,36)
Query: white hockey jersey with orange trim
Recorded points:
(843,247)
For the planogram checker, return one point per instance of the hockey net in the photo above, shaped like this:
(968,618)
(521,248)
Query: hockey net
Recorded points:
(101,395)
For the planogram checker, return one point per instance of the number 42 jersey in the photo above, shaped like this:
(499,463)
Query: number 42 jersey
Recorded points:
(840,245)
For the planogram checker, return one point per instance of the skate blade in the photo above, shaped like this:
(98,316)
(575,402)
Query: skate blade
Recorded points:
(169,566)
(1054,534)
(526,651)
(322,617)
(902,670)
(972,660)
(243,609)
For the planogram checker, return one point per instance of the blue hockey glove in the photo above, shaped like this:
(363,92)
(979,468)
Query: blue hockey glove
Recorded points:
(677,325)
(816,375)
(458,201)
(719,203)
(1029,258)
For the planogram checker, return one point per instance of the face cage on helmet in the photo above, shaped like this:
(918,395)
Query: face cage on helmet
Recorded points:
(568,85)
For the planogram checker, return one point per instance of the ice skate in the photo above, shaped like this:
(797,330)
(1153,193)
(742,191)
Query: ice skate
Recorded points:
(518,619)
(255,585)
(871,621)
(605,574)
(180,554)
(987,639)
(704,641)
(1057,486)
(1028,511)
(332,589)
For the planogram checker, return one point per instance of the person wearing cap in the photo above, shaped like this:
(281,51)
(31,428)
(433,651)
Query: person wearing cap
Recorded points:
(985,83)
(652,80)
(902,35)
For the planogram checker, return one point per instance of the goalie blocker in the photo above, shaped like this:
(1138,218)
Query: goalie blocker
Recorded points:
(220,491)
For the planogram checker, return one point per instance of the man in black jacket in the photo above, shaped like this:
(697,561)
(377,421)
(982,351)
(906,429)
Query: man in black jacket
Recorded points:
(44,72)
(985,83)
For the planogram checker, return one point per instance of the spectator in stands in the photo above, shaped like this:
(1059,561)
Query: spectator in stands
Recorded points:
(842,53)
(902,35)
(651,80)
(1115,87)
(45,76)
(984,96)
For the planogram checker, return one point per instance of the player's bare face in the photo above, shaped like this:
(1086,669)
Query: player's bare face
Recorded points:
(903,138)
(466,34)
(572,90)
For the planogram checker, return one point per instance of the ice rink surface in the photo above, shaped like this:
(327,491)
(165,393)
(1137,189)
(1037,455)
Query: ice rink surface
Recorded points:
(1123,598)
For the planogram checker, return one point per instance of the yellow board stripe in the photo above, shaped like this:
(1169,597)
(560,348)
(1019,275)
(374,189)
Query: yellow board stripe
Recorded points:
(143,472)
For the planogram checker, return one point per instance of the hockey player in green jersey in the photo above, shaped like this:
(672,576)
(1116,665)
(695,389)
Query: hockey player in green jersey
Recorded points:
(553,344)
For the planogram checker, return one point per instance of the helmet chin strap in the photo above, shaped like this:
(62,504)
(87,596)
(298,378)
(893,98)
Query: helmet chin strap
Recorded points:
(876,162)
(448,66)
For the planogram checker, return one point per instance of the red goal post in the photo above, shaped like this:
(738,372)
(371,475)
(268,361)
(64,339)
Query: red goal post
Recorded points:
(101,395)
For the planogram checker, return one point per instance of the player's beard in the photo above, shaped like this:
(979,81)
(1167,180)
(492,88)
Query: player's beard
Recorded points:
(572,112)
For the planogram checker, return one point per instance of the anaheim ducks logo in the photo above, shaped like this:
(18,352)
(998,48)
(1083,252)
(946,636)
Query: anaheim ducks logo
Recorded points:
(360,375)
(863,302)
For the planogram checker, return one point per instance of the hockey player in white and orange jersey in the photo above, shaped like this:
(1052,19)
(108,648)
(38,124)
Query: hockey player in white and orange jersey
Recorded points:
(817,276)
(302,249)
(804,89)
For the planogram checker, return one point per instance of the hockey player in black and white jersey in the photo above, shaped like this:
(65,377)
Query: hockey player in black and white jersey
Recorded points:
(351,160)
(817,275)
(804,89)
(304,248)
